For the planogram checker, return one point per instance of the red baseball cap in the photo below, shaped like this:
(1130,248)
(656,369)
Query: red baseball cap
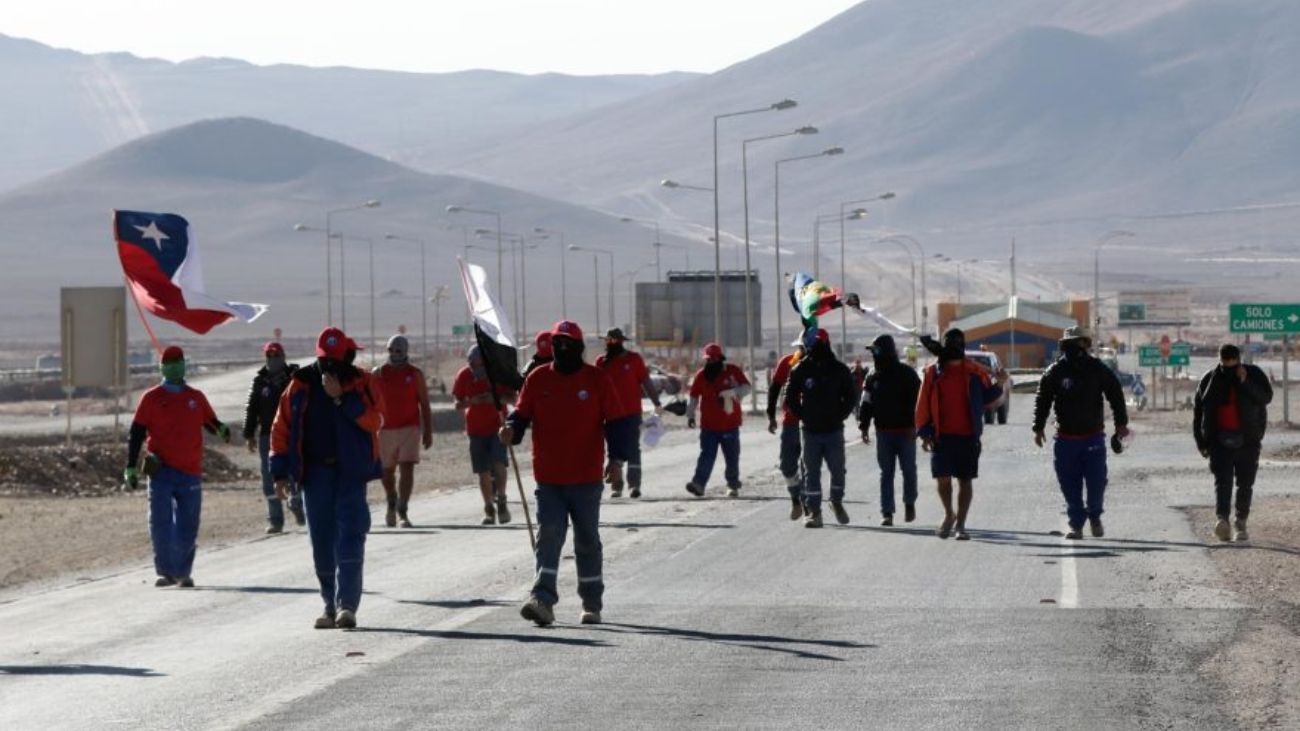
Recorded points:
(567,329)
(713,351)
(823,336)
(272,348)
(332,343)
(172,354)
(543,342)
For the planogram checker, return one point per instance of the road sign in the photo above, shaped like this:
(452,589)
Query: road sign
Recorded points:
(1180,354)
(460,329)
(1264,318)
(1132,312)
(1151,356)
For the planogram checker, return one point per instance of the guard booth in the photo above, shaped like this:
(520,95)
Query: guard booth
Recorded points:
(679,311)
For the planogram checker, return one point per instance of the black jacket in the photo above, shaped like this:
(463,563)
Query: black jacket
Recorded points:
(889,396)
(1253,398)
(264,399)
(821,393)
(1076,387)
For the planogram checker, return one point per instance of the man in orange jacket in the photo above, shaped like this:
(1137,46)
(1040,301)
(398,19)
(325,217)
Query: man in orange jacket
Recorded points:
(326,435)
(408,425)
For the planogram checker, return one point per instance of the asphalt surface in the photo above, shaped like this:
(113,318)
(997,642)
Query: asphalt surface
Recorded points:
(720,613)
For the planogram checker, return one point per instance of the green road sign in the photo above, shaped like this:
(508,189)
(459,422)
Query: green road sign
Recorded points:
(460,329)
(1253,318)
(1149,356)
(1129,312)
(1180,354)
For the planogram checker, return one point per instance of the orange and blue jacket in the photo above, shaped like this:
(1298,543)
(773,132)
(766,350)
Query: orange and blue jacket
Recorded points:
(984,394)
(356,422)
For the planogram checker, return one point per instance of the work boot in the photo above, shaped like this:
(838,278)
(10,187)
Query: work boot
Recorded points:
(164,581)
(909,512)
(1239,534)
(272,529)
(796,508)
(489,514)
(537,611)
(299,517)
(634,491)
(814,519)
(841,515)
(1075,533)
(616,490)
(1098,530)
(185,582)
(326,620)
(390,518)
(503,512)
(888,520)
(695,489)
(1223,530)
(347,619)
(590,616)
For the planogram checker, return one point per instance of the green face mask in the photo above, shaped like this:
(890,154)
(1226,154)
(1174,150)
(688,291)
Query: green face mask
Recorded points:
(173,372)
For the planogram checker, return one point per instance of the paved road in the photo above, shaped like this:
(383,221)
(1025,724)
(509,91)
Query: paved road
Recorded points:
(720,613)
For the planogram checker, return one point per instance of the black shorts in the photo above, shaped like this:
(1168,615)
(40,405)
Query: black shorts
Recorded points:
(956,456)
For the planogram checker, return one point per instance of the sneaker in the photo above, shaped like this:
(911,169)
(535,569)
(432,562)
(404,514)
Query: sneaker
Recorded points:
(590,616)
(796,508)
(185,582)
(1098,530)
(390,518)
(1074,534)
(164,581)
(299,517)
(503,512)
(403,521)
(733,492)
(961,533)
(909,512)
(537,611)
(945,528)
(1222,530)
(326,621)
(887,521)
(616,490)
(634,492)
(695,489)
(841,515)
(347,619)
(814,519)
(489,515)
(1240,535)
(272,529)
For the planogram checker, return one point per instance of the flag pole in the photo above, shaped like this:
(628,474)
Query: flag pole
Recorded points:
(154,338)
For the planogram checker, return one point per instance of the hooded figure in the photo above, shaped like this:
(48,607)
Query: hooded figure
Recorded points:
(259,414)
(822,395)
(889,401)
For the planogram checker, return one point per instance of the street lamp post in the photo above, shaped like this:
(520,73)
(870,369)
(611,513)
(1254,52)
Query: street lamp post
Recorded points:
(564,287)
(1096,278)
(844,277)
(912,262)
(329,281)
(593,250)
(659,277)
(925,306)
(500,255)
(424,291)
(780,277)
(717,220)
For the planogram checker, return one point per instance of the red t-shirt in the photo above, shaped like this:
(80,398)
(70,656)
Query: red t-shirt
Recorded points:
(954,402)
(712,415)
(401,387)
(1227,415)
(481,420)
(568,414)
(175,425)
(779,378)
(628,372)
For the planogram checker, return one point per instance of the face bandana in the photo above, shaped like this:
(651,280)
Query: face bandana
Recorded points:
(275,364)
(568,355)
(712,369)
(613,349)
(397,357)
(1074,349)
(173,372)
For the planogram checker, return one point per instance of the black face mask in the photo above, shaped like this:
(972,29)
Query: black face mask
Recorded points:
(614,349)
(568,355)
(822,351)
(712,369)
(1073,350)
(883,358)
(342,370)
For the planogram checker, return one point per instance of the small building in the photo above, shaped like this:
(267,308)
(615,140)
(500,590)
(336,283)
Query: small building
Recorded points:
(1035,328)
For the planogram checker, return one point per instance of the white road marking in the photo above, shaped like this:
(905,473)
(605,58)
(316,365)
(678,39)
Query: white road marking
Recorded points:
(1069,598)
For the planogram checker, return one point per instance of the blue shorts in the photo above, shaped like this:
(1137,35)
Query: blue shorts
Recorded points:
(485,453)
(956,456)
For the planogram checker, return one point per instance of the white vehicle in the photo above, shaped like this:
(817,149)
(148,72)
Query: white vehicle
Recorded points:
(990,361)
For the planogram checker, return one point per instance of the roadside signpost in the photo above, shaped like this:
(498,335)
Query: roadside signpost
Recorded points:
(1162,356)
(1270,320)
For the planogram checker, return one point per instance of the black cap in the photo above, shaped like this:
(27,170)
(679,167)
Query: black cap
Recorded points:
(616,333)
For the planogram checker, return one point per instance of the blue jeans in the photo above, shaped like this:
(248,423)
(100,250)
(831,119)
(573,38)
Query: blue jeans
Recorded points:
(791,450)
(175,501)
(338,519)
(556,506)
(274,508)
(1080,462)
(710,441)
(819,446)
(900,448)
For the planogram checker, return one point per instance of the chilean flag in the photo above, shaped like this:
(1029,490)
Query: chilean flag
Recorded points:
(161,263)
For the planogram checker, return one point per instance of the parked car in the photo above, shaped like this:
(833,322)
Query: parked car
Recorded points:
(990,361)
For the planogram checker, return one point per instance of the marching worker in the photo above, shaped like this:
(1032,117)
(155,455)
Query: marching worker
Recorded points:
(889,399)
(259,414)
(169,424)
(950,419)
(408,425)
(1229,419)
(631,379)
(542,353)
(717,391)
(472,390)
(821,394)
(326,436)
(1075,385)
(573,409)
(791,449)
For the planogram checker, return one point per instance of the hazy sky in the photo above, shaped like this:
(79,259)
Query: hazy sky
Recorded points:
(530,36)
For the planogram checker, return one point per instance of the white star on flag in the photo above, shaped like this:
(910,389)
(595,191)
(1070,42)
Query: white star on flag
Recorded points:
(151,232)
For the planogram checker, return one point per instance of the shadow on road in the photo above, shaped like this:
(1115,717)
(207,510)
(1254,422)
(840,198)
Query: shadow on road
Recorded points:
(456,603)
(754,642)
(435,528)
(79,670)
(543,637)
(1079,554)
(707,526)
(260,589)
